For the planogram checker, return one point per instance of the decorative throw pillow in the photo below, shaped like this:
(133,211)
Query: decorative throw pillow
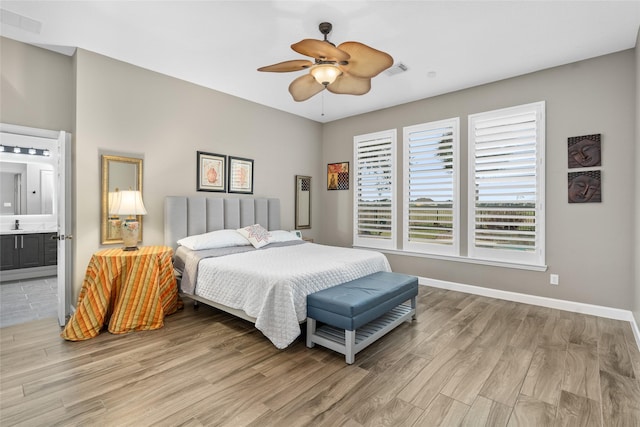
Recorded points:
(256,235)
(213,240)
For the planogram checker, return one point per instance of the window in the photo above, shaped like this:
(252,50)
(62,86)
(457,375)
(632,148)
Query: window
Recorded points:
(374,195)
(506,184)
(431,188)
(503,190)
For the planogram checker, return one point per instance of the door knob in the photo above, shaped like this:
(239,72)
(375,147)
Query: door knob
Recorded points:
(62,237)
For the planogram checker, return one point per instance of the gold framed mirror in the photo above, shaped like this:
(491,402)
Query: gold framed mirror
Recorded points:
(303,202)
(118,173)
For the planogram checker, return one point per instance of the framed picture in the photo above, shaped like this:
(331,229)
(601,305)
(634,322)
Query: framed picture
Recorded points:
(211,172)
(240,175)
(338,176)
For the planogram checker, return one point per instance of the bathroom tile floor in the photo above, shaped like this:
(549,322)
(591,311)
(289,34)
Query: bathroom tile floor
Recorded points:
(24,300)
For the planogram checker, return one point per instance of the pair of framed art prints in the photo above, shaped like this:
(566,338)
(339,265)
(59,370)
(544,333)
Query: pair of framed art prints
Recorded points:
(221,173)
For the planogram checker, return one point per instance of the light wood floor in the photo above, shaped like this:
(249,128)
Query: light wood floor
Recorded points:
(467,360)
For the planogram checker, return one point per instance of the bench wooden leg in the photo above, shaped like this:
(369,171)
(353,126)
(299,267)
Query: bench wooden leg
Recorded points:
(350,344)
(311,329)
(413,307)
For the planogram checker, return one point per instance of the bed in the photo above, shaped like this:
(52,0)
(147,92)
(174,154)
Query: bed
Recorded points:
(267,285)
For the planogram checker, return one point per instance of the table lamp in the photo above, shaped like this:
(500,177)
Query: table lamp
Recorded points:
(129,203)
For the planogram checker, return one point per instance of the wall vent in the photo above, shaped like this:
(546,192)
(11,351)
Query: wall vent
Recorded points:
(397,69)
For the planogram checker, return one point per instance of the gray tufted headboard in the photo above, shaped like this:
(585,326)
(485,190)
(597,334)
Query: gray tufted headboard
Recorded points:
(187,216)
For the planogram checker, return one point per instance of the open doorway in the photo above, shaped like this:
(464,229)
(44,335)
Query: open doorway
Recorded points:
(34,218)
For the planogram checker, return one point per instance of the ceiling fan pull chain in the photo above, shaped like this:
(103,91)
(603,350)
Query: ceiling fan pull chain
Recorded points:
(322,103)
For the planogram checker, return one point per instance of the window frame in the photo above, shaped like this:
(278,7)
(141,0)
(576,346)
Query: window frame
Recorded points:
(537,256)
(373,242)
(425,247)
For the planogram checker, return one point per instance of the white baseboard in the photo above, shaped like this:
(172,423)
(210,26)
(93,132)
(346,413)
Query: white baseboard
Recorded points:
(576,307)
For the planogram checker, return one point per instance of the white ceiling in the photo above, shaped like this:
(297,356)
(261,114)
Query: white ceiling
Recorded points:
(446,45)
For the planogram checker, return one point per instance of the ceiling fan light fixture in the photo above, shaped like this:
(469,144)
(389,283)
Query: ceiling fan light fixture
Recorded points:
(325,74)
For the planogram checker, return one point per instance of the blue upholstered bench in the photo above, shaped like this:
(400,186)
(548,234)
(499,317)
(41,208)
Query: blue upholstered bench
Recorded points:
(355,314)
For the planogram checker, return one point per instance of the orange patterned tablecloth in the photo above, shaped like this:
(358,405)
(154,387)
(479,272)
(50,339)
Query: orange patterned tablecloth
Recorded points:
(132,290)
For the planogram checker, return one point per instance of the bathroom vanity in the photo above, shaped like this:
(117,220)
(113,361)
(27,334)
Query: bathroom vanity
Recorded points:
(27,254)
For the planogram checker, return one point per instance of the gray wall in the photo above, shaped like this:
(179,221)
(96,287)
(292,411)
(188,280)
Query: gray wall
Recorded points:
(36,87)
(589,245)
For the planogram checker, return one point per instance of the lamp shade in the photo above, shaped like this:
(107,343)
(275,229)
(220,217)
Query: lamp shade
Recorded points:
(325,74)
(128,203)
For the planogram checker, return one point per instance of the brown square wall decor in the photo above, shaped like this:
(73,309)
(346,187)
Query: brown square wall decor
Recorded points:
(585,187)
(584,151)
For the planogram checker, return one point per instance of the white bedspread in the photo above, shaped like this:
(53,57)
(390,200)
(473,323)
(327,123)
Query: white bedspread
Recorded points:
(272,285)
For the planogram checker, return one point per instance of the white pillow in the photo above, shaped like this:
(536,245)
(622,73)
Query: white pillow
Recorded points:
(256,235)
(213,240)
(282,236)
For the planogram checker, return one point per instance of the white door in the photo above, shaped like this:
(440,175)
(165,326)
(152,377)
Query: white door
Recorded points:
(65,247)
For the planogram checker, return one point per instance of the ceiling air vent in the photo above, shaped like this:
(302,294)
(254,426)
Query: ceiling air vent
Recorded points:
(397,69)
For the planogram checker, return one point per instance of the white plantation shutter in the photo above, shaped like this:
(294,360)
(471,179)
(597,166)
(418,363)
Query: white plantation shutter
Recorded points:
(374,223)
(506,184)
(431,187)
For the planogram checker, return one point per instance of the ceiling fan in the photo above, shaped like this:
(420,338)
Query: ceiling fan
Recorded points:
(346,69)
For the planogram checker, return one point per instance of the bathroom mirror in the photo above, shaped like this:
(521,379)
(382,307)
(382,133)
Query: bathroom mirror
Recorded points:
(303,202)
(118,173)
(26,188)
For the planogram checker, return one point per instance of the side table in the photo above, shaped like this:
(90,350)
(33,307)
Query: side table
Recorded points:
(128,290)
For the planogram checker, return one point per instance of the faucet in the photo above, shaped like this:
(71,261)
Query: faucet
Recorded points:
(17,224)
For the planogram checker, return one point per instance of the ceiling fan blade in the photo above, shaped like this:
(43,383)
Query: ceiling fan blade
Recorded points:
(365,62)
(350,85)
(320,49)
(304,87)
(286,66)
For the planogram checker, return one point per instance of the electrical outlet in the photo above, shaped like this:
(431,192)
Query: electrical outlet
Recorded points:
(554,279)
